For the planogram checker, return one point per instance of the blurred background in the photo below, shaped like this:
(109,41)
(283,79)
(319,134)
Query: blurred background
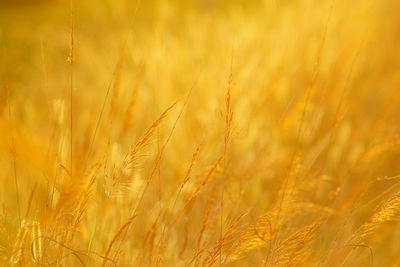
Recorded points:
(314,91)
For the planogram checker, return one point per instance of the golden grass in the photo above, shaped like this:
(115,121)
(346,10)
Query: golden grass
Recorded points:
(199,133)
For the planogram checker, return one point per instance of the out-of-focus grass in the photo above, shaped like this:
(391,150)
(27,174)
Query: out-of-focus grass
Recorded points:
(203,133)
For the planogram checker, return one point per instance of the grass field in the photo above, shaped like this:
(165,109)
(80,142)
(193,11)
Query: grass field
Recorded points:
(200,133)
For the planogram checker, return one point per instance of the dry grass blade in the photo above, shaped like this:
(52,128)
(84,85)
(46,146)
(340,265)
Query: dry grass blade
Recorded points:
(388,211)
(121,232)
(252,237)
(117,183)
(292,251)
(131,159)
(217,250)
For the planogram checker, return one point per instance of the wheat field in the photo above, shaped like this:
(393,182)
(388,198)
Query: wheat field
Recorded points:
(200,133)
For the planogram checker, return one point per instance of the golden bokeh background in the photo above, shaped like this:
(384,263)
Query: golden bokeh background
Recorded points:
(199,133)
